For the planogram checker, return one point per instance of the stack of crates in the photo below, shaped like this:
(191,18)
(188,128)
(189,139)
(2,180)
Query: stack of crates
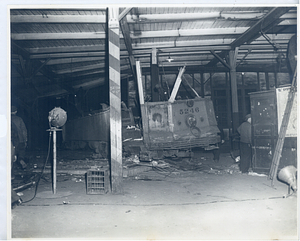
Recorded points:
(97,181)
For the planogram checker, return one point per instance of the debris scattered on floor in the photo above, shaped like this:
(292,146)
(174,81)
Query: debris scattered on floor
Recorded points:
(23,187)
(77,179)
(134,170)
(256,174)
(132,158)
(233,169)
(187,164)
(213,171)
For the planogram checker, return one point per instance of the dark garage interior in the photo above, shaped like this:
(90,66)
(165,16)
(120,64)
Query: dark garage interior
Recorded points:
(133,119)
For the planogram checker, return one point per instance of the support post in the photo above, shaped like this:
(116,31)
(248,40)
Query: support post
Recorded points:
(258,82)
(202,85)
(155,85)
(193,75)
(234,94)
(54,161)
(228,102)
(267,80)
(142,102)
(243,97)
(211,87)
(139,82)
(116,171)
(124,90)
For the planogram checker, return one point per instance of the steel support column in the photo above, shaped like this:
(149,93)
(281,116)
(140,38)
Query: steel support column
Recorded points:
(202,85)
(258,82)
(234,94)
(125,91)
(228,102)
(267,80)
(116,168)
(155,83)
(243,96)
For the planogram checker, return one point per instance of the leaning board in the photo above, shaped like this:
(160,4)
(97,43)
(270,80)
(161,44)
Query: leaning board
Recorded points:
(282,96)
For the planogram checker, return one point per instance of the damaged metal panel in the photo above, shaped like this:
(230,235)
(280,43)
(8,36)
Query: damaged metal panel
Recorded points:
(282,96)
(267,108)
(181,124)
(264,126)
(94,127)
(89,128)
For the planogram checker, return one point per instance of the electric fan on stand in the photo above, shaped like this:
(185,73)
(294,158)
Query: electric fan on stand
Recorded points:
(57,118)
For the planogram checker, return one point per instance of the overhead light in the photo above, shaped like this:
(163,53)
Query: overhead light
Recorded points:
(169,59)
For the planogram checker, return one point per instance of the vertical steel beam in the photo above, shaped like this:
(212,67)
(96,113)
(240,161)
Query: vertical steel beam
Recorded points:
(276,80)
(267,80)
(142,102)
(202,85)
(115,101)
(211,87)
(193,76)
(228,102)
(140,82)
(155,84)
(124,90)
(243,97)
(234,94)
(258,81)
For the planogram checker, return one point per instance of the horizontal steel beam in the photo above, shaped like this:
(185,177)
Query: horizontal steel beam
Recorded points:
(235,15)
(60,61)
(222,15)
(66,18)
(143,34)
(48,36)
(167,47)
(58,18)
(189,32)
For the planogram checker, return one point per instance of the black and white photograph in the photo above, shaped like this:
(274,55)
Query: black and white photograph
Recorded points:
(152,122)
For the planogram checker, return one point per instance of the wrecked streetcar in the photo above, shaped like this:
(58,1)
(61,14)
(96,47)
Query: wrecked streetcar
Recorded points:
(168,128)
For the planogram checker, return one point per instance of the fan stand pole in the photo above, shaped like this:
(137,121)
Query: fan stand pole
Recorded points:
(54,130)
(54,160)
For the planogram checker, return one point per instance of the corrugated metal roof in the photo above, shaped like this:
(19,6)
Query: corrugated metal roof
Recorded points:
(69,44)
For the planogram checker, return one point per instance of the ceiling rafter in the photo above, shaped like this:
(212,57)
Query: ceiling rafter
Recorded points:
(265,23)
(189,32)
(48,36)
(145,18)
(124,13)
(220,59)
(57,19)
(127,39)
(201,44)
(45,70)
(171,17)
(134,35)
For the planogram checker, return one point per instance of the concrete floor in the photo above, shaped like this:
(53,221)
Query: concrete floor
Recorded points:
(203,204)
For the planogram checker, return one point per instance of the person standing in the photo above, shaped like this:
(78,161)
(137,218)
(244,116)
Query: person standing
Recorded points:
(217,152)
(18,136)
(15,199)
(245,144)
